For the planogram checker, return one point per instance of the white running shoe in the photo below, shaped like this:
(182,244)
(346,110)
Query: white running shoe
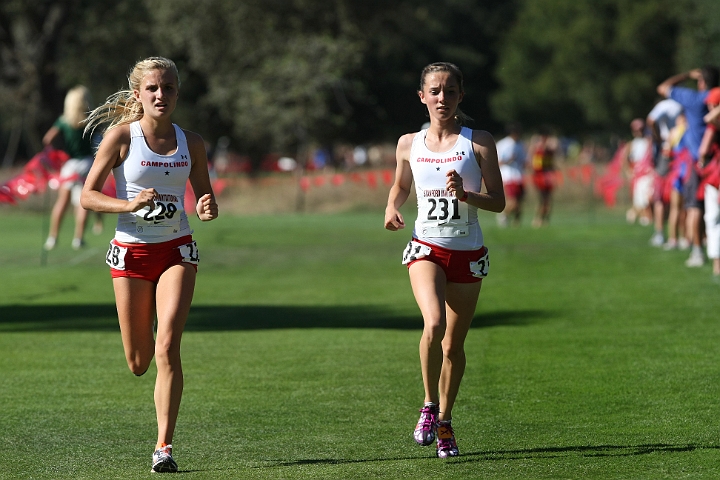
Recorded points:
(77,243)
(502,220)
(671,244)
(683,243)
(695,260)
(162,460)
(50,243)
(657,240)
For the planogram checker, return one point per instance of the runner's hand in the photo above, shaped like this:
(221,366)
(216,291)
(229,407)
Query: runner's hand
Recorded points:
(393,220)
(454,183)
(207,208)
(146,198)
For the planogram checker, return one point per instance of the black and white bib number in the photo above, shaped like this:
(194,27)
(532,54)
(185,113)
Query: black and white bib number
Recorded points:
(190,253)
(481,268)
(162,220)
(164,211)
(415,250)
(443,209)
(115,256)
(442,217)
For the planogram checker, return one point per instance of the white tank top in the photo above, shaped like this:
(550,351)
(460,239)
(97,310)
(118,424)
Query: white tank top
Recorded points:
(442,219)
(168,174)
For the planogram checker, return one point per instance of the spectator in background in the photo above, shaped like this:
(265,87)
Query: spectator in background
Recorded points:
(660,121)
(709,163)
(512,159)
(543,165)
(638,160)
(673,186)
(67,133)
(360,156)
(321,159)
(693,102)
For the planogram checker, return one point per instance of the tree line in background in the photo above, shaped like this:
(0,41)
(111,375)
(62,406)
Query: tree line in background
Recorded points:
(274,75)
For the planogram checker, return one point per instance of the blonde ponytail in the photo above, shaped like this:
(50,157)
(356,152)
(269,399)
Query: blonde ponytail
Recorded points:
(121,107)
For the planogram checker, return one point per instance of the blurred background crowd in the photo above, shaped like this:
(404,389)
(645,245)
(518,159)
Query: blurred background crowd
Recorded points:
(327,86)
(290,77)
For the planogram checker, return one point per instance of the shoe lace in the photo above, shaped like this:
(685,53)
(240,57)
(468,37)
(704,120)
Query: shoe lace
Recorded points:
(164,450)
(446,437)
(428,418)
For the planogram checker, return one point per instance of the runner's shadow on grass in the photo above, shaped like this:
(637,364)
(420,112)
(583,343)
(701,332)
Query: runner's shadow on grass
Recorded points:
(583,451)
(523,454)
(243,317)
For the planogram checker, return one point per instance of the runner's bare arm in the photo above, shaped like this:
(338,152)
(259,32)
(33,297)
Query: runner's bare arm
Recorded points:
(206,208)
(493,199)
(400,190)
(110,154)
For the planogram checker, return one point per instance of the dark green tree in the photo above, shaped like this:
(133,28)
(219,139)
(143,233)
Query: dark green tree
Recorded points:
(28,35)
(275,71)
(48,46)
(278,74)
(281,73)
(404,37)
(698,41)
(585,65)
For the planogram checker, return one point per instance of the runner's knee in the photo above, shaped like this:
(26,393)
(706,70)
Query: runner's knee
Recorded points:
(434,330)
(453,350)
(167,351)
(137,367)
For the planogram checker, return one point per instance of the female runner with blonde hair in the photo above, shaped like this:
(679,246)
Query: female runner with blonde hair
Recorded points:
(153,259)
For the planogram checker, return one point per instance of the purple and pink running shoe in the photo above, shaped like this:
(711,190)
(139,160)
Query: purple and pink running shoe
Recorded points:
(427,425)
(446,444)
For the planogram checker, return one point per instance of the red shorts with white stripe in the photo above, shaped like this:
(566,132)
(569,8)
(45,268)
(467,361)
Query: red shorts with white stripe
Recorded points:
(460,266)
(149,261)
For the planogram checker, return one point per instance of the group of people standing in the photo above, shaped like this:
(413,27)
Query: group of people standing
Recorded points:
(674,162)
(515,159)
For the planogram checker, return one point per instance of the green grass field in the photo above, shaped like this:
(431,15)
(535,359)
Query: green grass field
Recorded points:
(592,355)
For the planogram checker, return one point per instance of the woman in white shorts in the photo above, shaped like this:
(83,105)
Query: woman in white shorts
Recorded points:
(67,132)
(446,258)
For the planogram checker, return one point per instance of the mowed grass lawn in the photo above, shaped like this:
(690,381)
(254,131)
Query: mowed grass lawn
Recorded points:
(592,355)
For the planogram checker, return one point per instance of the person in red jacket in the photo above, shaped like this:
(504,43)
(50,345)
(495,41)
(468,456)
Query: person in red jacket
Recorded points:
(709,171)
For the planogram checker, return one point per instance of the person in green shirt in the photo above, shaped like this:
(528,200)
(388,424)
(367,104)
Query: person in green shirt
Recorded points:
(67,134)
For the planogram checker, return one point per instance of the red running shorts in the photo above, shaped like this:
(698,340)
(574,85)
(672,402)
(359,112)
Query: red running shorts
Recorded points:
(460,266)
(149,261)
